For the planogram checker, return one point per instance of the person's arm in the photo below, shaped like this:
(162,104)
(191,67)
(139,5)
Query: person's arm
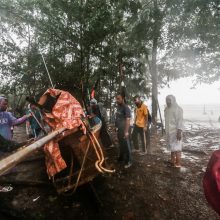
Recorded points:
(135,116)
(91,114)
(127,121)
(179,124)
(127,126)
(145,118)
(17,121)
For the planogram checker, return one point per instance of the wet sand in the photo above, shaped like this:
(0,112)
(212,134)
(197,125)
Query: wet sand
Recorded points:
(150,189)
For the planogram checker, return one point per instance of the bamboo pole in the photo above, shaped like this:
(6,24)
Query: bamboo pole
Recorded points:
(12,160)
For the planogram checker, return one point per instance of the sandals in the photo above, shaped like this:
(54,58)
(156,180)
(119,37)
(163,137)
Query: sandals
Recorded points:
(177,166)
(171,164)
(6,189)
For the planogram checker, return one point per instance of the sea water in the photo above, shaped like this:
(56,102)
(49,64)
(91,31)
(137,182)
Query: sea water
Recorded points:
(204,115)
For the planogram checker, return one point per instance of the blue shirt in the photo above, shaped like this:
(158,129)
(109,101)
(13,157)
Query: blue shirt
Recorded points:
(7,120)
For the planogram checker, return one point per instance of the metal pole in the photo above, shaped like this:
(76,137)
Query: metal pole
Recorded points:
(47,71)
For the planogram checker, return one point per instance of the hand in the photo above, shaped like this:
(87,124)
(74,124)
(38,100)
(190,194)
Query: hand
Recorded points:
(126,134)
(145,128)
(29,115)
(179,135)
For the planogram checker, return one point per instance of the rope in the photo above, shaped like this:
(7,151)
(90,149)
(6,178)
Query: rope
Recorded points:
(102,156)
(98,163)
(79,175)
(97,154)
(80,172)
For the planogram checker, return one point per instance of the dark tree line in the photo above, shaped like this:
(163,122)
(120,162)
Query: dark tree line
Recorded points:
(143,43)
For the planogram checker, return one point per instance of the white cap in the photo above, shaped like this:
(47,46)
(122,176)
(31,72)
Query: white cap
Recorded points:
(93,101)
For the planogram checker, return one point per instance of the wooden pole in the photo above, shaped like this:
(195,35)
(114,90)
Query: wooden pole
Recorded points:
(12,160)
(161,120)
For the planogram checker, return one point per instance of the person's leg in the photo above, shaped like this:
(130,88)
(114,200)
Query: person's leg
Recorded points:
(134,138)
(130,139)
(147,133)
(105,137)
(178,159)
(37,131)
(173,158)
(127,148)
(143,139)
(121,143)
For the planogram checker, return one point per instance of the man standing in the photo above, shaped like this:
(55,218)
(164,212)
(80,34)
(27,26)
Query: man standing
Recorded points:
(174,126)
(34,123)
(122,123)
(140,125)
(7,119)
(95,114)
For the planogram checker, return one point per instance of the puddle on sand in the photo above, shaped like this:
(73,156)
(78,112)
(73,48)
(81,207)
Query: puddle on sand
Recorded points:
(215,147)
(190,157)
(183,169)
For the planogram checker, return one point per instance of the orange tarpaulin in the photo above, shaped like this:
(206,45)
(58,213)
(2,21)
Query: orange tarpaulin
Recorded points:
(67,113)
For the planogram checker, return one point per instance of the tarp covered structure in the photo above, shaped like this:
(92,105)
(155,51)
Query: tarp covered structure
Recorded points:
(67,112)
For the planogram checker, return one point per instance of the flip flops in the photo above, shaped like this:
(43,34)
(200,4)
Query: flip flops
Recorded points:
(6,189)
(171,164)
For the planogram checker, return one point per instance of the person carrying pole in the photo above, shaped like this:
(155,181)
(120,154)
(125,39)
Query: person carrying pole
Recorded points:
(35,123)
(140,125)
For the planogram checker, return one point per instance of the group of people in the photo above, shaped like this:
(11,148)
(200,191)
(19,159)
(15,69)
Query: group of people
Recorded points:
(128,140)
(32,118)
(129,137)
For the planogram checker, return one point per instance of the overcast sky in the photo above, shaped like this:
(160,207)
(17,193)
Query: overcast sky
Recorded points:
(182,89)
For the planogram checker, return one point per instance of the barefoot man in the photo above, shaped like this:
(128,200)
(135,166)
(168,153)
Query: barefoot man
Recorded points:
(174,126)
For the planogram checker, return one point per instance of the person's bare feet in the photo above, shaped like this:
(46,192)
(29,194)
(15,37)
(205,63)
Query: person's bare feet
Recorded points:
(177,166)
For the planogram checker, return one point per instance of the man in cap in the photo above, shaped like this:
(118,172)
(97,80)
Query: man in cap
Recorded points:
(34,123)
(7,120)
(96,114)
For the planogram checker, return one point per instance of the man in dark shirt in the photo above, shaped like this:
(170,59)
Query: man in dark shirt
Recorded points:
(122,123)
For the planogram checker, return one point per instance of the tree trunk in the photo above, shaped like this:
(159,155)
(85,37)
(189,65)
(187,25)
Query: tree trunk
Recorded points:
(154,77)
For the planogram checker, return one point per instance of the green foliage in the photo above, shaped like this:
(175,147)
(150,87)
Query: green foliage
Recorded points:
(80,41)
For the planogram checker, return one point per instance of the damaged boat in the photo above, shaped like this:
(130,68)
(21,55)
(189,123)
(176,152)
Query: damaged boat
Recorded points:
(70,155)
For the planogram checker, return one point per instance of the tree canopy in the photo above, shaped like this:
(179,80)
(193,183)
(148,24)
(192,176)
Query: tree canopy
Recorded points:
(144,43)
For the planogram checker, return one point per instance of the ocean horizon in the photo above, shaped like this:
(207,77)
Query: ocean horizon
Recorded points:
(209,113)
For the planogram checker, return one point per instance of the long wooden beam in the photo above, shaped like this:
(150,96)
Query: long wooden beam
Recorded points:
(12,160)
